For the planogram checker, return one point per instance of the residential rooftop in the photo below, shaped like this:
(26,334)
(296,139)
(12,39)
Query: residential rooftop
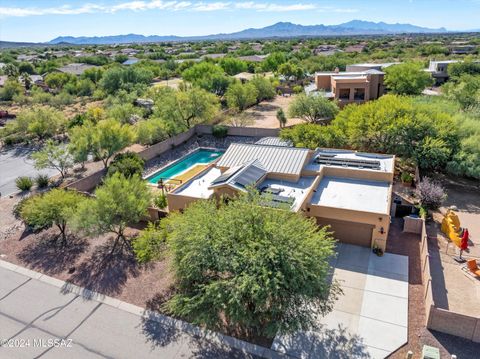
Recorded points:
(353,194)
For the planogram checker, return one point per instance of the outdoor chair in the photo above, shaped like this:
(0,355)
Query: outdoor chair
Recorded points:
(473,267)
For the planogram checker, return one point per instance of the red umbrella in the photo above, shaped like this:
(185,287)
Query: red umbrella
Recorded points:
(464,243)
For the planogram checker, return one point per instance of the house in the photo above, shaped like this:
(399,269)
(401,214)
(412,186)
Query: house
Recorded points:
(369,66)
(347,190)
(130,61)
(213,56)
(252,58)
(439,70)
(75,68)
(350,86)
(461,48)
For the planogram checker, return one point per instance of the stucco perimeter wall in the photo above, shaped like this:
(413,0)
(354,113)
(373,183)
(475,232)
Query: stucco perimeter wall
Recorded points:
(240,131)
(177,202)
(443,320)
(88,183)
(377,220)
(161,147)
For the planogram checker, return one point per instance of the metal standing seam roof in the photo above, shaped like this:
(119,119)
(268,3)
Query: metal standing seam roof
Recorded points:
(274,141)
(287,160)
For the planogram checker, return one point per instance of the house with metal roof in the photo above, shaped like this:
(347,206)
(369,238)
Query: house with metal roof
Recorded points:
(349,191)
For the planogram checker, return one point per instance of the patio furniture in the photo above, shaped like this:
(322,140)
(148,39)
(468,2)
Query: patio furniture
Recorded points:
(473,267)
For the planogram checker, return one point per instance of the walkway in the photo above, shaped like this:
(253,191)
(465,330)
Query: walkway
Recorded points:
(42,317)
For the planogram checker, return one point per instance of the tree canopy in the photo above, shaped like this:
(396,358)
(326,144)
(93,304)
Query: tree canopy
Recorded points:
(407,79)
(117,203)
(51,208)
(260,270)
(313,108)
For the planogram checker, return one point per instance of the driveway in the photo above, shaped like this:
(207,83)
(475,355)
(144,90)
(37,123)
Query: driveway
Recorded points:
(40,319)
(14,163)
(370,319)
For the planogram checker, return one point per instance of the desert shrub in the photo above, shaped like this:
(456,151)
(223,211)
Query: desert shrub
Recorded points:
(127,164)
(42,181)
(24,183)
(406,177)
(220,131)
(160,201)
(430,193)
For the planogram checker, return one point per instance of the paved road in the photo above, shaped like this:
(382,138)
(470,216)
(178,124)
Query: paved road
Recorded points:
(14,163)
(32,312)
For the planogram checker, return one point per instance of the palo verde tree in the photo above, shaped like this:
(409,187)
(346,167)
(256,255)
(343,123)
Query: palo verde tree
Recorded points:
(253,268)
(108,137)
(56,156)
(313,108)
(241,96)
(117,203)
(53,208)
(184,108)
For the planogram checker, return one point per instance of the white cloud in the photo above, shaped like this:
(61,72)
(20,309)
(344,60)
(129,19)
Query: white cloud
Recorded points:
(212,6)
(145,5)
(251,5)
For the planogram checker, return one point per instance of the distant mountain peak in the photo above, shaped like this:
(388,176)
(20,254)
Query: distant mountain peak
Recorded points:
(280,29)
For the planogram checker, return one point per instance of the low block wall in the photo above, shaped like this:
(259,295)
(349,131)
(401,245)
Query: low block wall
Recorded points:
(439,319)
(161,147)
(88,183)
(240,131)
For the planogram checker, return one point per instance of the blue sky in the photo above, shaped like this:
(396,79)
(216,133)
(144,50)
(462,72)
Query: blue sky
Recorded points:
(43,20)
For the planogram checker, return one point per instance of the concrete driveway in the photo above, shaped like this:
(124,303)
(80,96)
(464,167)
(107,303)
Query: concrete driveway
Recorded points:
(370,319)
(40,319)
(14,163)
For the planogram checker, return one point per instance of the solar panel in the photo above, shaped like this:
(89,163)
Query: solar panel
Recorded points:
(348,162)
(250,176)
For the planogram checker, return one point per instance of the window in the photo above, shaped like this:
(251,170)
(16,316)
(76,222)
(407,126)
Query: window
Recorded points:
(359,94)
(344,94)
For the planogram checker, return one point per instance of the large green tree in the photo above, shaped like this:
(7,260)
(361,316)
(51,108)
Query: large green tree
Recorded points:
(182,109)
(108,137)
(119,202)
(407,79)
(53,155)
(207,76)
(313,108)
(53,208)
(39,121)
(241,96)
(256,269)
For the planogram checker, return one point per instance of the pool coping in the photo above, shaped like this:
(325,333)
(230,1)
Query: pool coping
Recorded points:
(173,163)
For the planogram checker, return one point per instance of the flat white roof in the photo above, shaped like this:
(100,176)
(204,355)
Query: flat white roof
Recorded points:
(354,194)
(296,190)
(198,187)
(386,161)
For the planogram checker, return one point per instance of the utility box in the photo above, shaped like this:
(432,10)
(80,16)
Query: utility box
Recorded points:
(429,352)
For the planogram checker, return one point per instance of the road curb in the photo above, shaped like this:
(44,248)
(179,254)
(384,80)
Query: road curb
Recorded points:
(67,287)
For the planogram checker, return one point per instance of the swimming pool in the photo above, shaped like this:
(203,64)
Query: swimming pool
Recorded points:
(202,156)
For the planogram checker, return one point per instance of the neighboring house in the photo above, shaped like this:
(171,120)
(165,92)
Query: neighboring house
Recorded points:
(369,66)
(253,58)
(462,48)
(213,56)
(351,86)
(347,190)
(27,58)
(439,70)
(75,69)
(34,79)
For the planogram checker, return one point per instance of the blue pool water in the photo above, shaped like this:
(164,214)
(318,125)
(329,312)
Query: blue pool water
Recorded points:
(202,156)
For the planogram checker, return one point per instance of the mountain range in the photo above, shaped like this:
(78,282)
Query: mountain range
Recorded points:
(278,30)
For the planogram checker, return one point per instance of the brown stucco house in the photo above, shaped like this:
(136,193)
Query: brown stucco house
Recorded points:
(347,190)
(350,86)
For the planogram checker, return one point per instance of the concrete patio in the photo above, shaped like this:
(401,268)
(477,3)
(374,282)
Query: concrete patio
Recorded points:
(370,319)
